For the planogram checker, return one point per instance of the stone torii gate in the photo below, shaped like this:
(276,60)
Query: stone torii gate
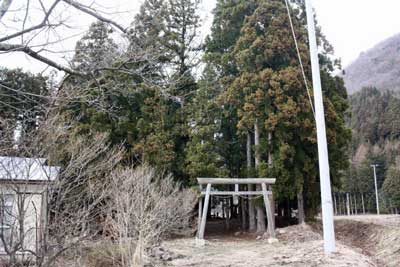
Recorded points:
(235,181)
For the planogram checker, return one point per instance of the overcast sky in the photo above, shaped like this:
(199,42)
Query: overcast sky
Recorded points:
(352,26)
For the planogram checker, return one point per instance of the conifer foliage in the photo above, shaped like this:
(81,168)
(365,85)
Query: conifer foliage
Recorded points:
(260,84)
(248,113)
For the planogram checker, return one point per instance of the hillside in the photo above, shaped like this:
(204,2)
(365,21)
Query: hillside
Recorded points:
(375,116)
(378,67)
(375,125)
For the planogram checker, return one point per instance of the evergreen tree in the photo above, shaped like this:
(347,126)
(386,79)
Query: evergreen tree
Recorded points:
(204,149)
(140,107)
(365,174)
(22,104)
(147,53)
(229,17)
(96,49)
(391,186)
(269,89)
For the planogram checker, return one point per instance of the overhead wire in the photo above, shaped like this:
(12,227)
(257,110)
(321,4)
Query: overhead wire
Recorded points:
(299,56)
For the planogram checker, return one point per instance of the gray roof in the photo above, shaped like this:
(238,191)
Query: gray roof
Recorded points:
(27,169)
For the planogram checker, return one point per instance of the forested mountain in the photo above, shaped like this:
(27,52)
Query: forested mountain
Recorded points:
(375,124)
(377,67)
(375,116)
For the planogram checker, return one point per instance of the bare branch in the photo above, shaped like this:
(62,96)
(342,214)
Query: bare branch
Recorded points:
(36,55)
(4,7)
(36,27)
(91,12)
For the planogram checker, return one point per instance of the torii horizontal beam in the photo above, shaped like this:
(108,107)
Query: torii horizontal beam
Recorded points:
(268,181)
(234,193)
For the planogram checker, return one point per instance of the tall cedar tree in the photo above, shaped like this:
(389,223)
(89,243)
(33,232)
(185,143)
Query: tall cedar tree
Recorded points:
(220,68)
(262,80)
(220,143)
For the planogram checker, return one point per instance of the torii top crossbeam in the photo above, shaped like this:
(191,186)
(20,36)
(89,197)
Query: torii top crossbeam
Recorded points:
(268,181)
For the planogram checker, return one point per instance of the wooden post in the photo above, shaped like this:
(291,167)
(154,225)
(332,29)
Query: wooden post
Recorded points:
(340,205)
(199,216)
(271,229)
(200,210)
(204,214)
(272,204)
(348,204)
(257,162)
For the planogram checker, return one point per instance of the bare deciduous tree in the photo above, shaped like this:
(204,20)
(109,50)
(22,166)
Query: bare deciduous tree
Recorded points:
(144,207)
(71,201)
(28,34)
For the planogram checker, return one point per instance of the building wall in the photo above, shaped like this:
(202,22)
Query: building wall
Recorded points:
(29,211)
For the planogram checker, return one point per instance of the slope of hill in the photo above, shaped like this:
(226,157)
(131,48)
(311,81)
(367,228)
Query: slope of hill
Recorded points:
(375,116)
(378,67)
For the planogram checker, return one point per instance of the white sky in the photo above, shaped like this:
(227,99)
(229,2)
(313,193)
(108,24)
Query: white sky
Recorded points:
(352,26)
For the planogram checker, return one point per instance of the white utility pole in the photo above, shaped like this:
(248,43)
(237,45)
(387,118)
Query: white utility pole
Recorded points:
(326,194)
(376,188)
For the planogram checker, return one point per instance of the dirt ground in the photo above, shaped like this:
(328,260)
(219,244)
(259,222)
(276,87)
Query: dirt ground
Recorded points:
(376,236)
(363,241)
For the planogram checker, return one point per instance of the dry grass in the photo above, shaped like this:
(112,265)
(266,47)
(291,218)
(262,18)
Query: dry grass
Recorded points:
(377,236)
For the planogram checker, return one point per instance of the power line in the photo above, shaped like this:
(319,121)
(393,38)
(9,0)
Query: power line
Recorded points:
(299,56)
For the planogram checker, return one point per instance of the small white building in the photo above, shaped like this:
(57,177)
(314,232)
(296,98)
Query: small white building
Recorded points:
(23,202)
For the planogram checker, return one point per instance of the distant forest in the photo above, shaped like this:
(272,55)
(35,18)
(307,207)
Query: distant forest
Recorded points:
(375,123)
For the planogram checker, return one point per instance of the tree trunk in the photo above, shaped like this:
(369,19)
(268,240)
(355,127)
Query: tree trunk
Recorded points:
(227,214)
(335,206)
(137,260)
(243,213)
(300,208)
(355,204)
(351,205)
(252,215)
(362,202)
(260,210)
